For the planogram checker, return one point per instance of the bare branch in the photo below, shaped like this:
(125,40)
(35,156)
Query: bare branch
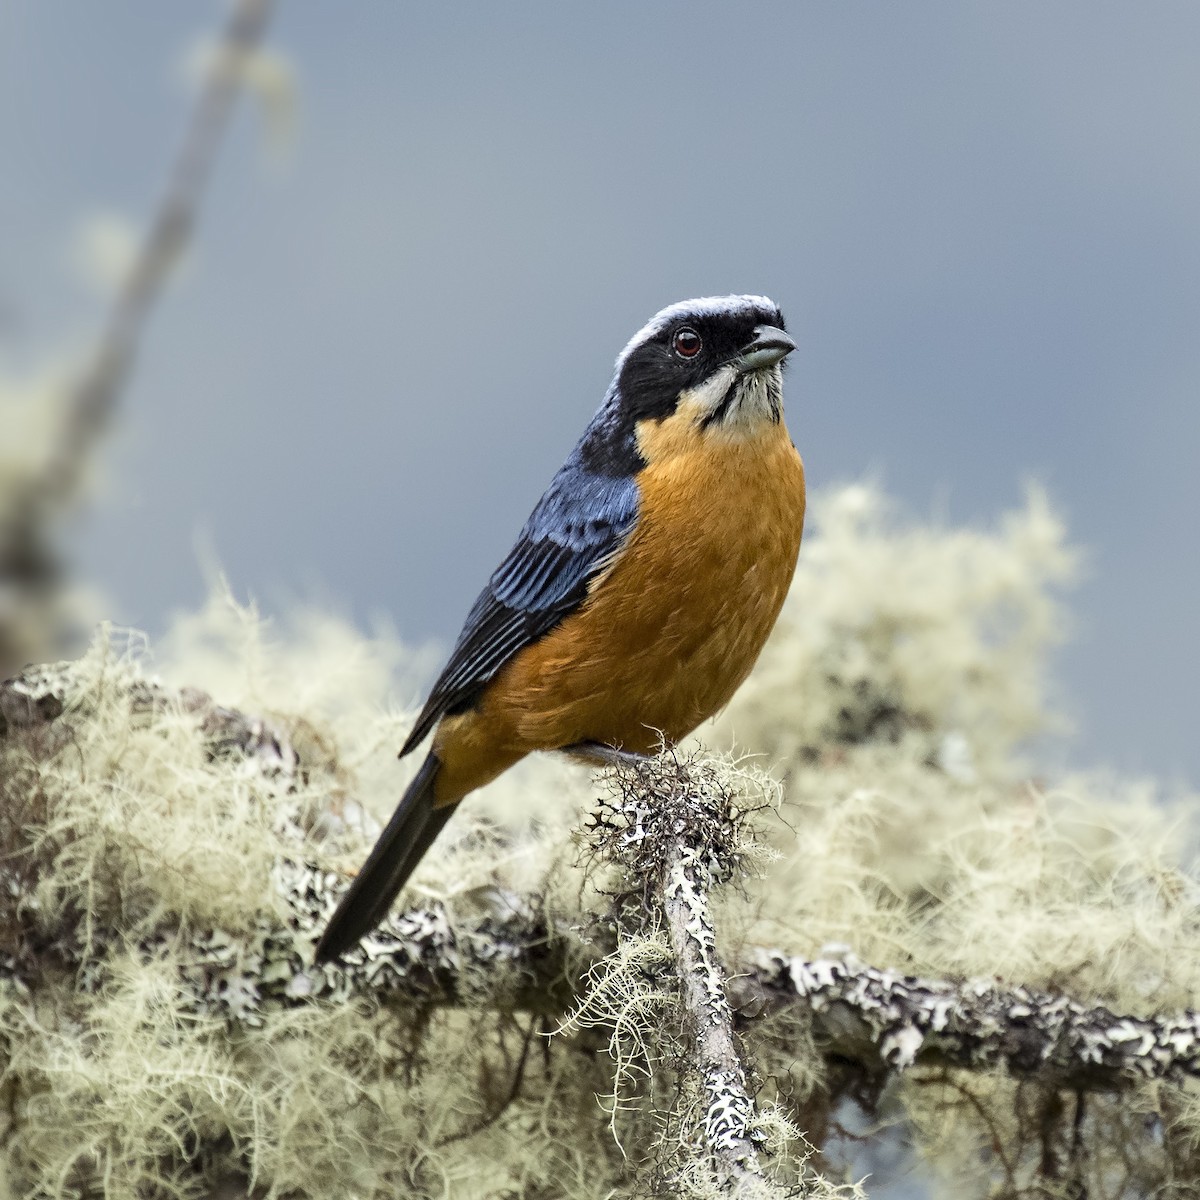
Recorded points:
(165,240)
(27,562)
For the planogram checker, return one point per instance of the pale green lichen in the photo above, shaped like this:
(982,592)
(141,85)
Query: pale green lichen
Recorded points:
(893,702)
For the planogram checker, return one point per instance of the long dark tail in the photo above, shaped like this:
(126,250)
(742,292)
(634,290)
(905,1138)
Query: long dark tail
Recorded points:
(402,845)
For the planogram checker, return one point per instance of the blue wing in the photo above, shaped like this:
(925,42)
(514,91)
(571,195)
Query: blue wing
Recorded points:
(575,531)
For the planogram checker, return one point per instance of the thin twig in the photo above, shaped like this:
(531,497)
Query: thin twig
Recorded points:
(169,232)
(27,561)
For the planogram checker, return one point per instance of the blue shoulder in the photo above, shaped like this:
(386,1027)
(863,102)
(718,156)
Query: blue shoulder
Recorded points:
(577,529)
(580,522)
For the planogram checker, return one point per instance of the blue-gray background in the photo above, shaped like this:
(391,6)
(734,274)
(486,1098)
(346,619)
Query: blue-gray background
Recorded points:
(983,222)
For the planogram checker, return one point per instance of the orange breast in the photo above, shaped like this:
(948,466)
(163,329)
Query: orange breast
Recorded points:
(669,632)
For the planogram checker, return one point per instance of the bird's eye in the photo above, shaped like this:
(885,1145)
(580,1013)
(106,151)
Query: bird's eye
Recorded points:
(687,343)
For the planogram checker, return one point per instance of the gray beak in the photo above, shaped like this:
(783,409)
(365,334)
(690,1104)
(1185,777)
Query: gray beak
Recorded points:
(770,346)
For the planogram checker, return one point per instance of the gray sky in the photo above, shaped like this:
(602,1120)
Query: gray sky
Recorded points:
(982,220)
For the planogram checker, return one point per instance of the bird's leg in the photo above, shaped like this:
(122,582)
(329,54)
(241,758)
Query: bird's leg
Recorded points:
(601,755)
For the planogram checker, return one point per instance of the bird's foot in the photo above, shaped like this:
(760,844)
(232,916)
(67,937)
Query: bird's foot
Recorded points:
(600,755)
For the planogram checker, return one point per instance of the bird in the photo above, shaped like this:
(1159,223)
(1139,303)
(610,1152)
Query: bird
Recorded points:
(639,592)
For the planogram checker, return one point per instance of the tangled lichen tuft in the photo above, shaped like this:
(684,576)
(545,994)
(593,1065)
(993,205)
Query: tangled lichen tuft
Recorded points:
(677,797)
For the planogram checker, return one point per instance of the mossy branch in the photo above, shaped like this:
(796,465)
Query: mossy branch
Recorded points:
(886,1021)
(672,826)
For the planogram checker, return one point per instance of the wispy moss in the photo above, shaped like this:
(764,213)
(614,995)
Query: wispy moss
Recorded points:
(893,704)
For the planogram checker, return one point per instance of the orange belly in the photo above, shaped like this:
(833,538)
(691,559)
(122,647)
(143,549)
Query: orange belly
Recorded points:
(667,634)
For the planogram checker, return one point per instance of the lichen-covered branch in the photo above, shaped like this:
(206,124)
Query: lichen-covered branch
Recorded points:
(507,954)
(728,1120)
(674,827)
(886,1020)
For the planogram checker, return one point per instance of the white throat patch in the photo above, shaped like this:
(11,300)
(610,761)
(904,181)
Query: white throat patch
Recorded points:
(734,404)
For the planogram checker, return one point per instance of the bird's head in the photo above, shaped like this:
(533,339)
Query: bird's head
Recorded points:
(708,368)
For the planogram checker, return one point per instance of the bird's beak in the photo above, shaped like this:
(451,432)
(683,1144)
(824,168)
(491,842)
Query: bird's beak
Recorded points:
(769,347)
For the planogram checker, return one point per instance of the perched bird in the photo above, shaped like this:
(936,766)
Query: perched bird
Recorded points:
(640,590)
